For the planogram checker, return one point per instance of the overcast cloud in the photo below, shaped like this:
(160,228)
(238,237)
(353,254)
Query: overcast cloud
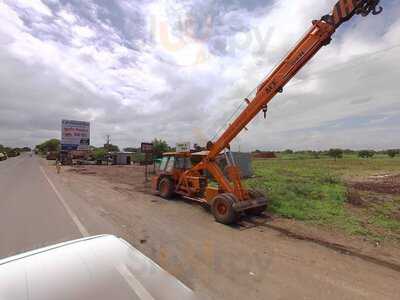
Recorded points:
(178,69)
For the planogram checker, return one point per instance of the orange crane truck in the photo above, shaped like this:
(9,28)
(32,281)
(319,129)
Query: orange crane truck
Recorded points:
(179,176)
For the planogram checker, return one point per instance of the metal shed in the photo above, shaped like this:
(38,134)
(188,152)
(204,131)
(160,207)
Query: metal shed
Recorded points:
(121,158)
(243,160)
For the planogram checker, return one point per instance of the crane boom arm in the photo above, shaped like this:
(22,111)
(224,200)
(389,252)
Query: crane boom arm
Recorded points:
(318,36)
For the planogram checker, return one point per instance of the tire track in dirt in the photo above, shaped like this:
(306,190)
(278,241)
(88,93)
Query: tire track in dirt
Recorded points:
(342,249)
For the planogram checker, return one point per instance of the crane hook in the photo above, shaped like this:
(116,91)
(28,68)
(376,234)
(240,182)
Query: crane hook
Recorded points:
(369,6)
(265,110)
(377,11)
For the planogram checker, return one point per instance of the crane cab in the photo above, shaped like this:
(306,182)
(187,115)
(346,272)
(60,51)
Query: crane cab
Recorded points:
(175,161)
(173,165)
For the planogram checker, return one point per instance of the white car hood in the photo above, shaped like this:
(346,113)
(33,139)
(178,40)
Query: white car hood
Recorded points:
(103,267)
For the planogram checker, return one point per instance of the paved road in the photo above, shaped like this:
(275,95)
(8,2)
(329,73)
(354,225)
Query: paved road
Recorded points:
(36,211)
(30,213)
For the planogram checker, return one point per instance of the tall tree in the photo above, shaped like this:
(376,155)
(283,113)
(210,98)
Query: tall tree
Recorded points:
(335,153)
(160,146)
(49,146)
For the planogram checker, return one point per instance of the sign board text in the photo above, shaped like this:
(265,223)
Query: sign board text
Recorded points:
(75,135)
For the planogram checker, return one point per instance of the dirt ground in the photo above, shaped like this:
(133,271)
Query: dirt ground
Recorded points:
(261,258)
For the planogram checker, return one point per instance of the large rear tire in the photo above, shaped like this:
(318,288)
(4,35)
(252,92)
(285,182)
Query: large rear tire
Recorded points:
(222,209)
(166,188)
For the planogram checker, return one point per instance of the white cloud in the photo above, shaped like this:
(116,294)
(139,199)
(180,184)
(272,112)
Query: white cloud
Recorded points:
(36,6)
(68,16)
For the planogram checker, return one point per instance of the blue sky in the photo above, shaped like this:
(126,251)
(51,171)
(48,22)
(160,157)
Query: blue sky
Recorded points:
(178,69)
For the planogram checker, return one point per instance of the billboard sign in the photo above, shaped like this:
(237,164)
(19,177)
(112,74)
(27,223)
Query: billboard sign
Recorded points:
(183,147)
(75,135)
(147,148)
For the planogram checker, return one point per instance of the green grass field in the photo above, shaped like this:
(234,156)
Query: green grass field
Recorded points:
(315,191)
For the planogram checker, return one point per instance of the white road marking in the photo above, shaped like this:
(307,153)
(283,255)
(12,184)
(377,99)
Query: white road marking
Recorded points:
(135,284)
(70,212)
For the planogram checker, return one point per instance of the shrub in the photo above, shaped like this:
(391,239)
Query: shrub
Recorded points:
(335,153)
(100,154)
(393,152)
(366,153)
(288,151)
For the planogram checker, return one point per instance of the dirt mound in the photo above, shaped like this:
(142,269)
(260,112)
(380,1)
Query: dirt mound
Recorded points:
(264,155)
(385,184)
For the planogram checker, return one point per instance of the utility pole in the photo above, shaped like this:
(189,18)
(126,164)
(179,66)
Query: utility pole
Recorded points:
(108,140)
(107,146)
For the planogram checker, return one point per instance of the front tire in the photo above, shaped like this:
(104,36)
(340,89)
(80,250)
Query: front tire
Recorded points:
(166,188)
(222,209)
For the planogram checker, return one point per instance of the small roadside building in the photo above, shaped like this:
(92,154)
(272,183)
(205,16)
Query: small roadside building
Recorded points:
(121,158)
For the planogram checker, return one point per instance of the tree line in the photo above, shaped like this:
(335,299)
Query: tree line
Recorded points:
(53,145)
(161,146)
(337,153)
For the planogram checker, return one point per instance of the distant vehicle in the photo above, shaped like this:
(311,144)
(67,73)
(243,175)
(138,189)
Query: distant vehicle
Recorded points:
(14,153)
(100,267)
(3,156)
(52,155)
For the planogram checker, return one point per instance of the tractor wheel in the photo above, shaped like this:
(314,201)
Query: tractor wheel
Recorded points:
(166,188)
(222,209)
(256,211)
